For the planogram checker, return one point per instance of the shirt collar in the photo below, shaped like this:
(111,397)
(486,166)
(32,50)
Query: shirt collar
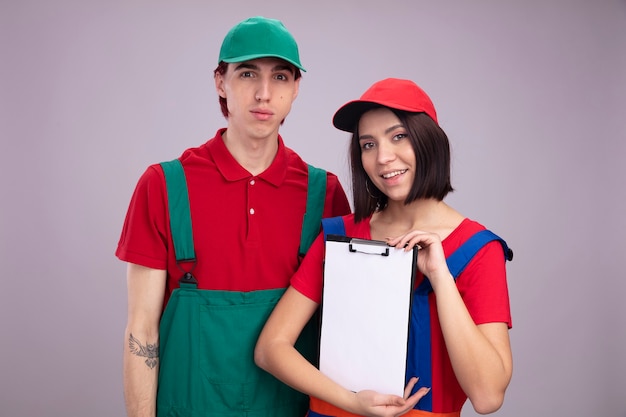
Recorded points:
(230,169)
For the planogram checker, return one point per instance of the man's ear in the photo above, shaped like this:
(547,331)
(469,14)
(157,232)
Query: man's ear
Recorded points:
(219,85)
(297,89)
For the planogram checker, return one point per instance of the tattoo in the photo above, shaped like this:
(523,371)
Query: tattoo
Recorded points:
(150,351)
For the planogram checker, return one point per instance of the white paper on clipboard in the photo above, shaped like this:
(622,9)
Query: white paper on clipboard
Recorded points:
(365,314)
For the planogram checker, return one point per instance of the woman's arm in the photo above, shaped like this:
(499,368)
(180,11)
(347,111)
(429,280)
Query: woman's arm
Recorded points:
(480,354)
(276,354)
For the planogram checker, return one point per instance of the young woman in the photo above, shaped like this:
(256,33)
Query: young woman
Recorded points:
(400,160)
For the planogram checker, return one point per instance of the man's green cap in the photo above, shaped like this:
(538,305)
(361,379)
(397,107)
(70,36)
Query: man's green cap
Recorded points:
(259,37)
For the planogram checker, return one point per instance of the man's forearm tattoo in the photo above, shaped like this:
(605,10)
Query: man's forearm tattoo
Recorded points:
(149,351)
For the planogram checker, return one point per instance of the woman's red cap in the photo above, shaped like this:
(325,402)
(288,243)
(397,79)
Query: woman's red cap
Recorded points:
(394,93)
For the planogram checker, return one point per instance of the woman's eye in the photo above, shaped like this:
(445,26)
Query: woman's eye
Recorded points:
(400,136)
(367,145)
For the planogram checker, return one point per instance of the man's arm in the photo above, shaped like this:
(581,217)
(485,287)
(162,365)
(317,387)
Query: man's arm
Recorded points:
(146,288)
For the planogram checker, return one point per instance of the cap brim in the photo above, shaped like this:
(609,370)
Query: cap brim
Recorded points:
(257,56)
(349,114)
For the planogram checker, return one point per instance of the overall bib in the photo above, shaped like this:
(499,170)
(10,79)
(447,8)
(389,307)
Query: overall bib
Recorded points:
(419,352)
(207,337)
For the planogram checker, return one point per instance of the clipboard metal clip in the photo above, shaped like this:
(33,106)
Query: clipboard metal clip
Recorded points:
(360,245)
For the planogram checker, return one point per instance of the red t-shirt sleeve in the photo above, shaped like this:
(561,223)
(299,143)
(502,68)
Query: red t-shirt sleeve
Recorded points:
(336,199)
(309,277)
(143,240)
(483,286)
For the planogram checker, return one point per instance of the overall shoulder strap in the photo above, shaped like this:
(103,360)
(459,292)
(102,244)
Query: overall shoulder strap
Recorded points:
(333,226)
(178,205)
(316,196)
(459,259)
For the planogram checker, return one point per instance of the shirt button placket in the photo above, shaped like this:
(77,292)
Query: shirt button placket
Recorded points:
(252,182)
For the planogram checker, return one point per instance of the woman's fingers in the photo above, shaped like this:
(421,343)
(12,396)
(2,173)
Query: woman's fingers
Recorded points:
(413,239)
(409,387)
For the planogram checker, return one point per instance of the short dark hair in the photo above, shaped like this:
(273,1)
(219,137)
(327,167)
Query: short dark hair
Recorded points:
(432,168)
(221,69)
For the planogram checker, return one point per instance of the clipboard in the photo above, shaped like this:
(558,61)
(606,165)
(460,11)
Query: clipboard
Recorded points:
(365,314)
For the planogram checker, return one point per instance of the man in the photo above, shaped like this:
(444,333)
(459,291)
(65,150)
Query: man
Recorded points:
(197,303)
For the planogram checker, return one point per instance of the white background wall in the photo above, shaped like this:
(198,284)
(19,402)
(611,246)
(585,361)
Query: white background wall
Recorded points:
(532,95)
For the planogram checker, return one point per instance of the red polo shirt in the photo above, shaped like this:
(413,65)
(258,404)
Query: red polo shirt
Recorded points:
(246,228)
